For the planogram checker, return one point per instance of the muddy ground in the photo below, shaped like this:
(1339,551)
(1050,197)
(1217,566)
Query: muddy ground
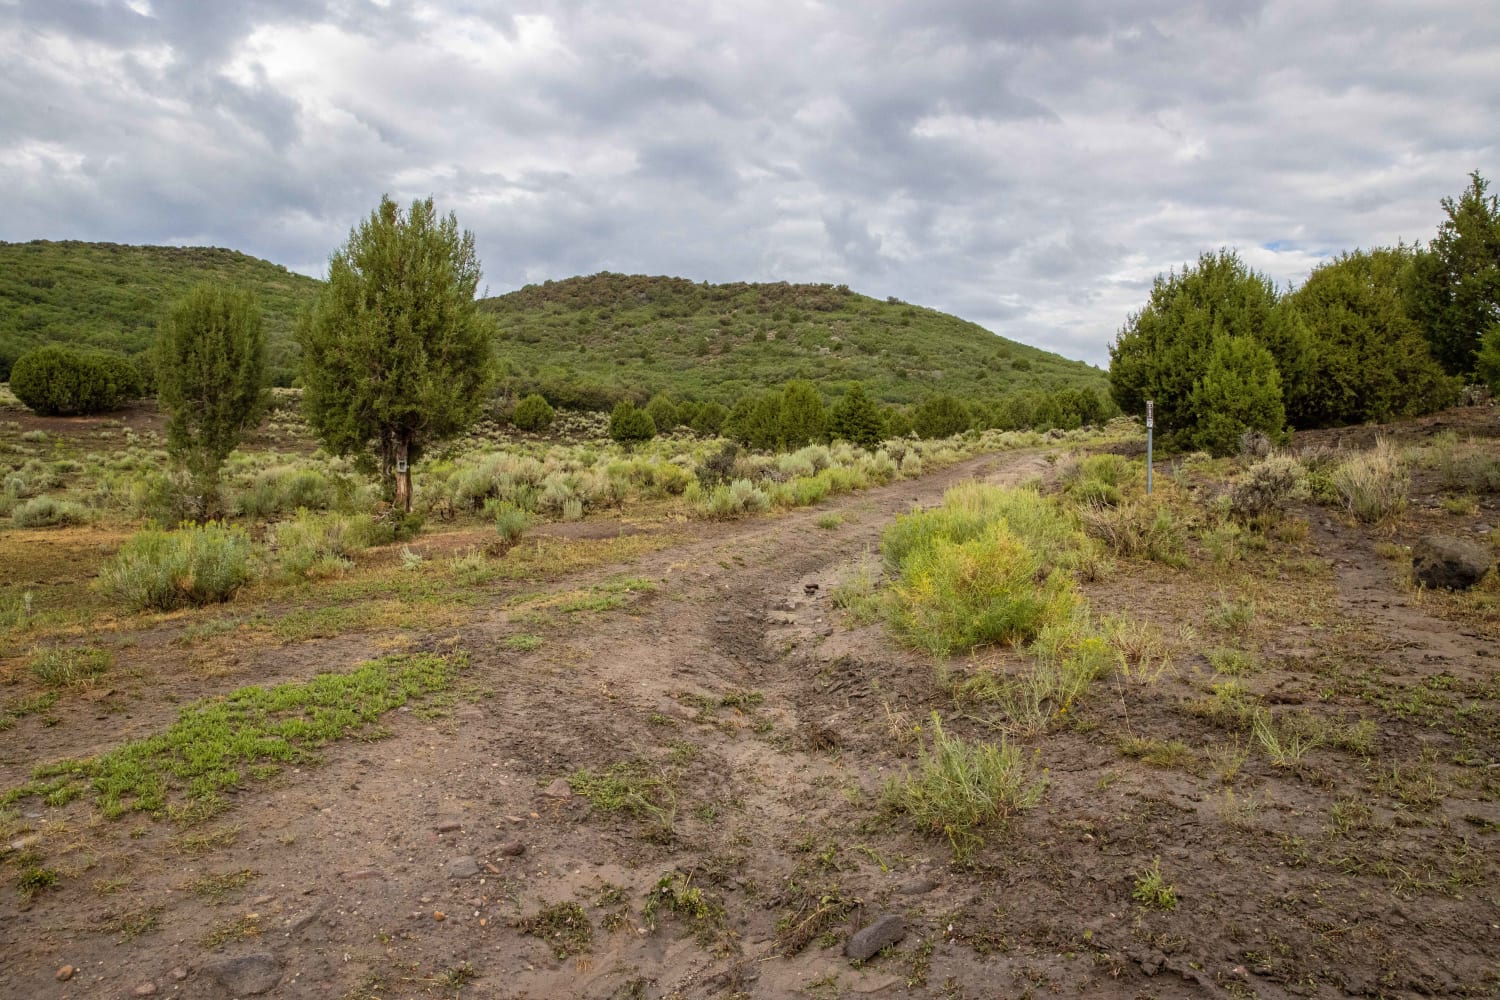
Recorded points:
(765,724)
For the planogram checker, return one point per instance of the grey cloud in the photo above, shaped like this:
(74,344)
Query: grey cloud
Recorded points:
(1025,164)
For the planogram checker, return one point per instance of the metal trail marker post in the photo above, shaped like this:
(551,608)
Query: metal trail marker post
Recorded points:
(1150,425)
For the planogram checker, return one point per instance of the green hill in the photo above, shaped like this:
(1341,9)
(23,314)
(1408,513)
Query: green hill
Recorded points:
(589,340)
(109,295)
(585,341)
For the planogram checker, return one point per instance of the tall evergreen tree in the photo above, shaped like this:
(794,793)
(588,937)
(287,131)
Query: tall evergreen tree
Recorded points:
(1163,351)
(804,416)
(1453,291)
(395,355)
(1369,360)
(855,418)
(211,380)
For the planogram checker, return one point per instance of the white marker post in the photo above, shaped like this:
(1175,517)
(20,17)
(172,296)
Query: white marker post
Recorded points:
(1150,424)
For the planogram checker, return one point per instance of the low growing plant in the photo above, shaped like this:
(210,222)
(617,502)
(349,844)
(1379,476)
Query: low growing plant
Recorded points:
(961,790)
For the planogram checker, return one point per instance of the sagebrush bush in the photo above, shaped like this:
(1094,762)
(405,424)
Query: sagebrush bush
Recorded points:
(283,489)
(510,521)
(319,545)
(190,567)
(1266,487)
(960,790)
(730,500)
(46,512)
(1373,484)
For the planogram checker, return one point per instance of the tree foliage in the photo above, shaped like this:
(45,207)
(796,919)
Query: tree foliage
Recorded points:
(855,418)
(1163,352)
(664,412)
(395,353)
(940,416)
(755,420)
(66,381)
(1368,359)
(1240,390)
(628,424)
(804,416)
(533,413)
(1487,364)
(211,378)
(1453,289)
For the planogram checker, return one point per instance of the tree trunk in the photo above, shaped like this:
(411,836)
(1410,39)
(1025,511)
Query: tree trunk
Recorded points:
(403,475)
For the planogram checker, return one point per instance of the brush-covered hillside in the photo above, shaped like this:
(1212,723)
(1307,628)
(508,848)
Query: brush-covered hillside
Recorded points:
(109,295)
(582,342)
(589,340)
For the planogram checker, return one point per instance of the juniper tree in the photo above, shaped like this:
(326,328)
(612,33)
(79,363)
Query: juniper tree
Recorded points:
(395,355)
(210,364)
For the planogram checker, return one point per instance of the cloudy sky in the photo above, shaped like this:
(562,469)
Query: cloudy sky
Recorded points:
(1027,164)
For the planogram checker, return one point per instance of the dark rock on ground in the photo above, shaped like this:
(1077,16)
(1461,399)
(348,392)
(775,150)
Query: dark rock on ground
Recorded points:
(1448,563)
(247,975)
(887,929)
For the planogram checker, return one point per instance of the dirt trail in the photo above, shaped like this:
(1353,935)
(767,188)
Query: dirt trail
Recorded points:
(351,864)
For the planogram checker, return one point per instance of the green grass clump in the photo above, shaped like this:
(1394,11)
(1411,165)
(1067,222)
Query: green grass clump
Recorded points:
(58,667)
(954,596)
(960,790)
(632,787)
(703,914)
(511,521)
(192,566)
(563,926)
(1373,485)
(1152,890)
(988,566)
(217,744)
(1068,657)
(35,879)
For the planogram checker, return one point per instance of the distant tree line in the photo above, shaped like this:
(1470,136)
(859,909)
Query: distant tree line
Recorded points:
(797,414)
(1371,335)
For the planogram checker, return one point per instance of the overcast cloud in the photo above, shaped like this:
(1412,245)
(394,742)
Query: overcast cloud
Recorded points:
(1026,164)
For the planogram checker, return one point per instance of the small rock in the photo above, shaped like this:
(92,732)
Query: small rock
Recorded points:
(261,900)
(449,826)
(144,990)
(179,974)
(247,975)
(559,789)
(301,922)
(919,885)
(363,873)
(464,867)
(65,973)
(439,915)
(886,930)
(1448,563)
(511,849)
